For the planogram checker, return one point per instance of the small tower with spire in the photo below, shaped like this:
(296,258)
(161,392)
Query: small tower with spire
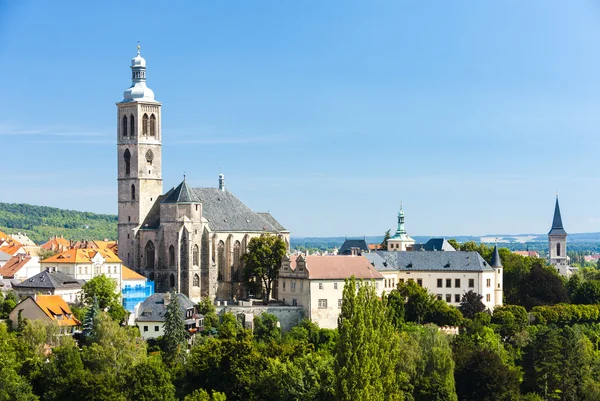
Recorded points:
(221,181)
(496,264)
(557,243)
(400,241)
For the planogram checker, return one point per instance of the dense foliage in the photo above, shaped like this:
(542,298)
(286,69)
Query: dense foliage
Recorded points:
(42,222)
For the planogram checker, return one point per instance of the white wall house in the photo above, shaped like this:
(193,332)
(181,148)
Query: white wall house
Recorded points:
(85,264)
(448,275)
(316,282)
(149,316)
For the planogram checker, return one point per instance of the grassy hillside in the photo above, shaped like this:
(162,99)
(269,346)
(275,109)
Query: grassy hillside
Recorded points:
(42,222)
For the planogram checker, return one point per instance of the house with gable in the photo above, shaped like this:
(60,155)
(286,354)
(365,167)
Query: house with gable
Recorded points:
(52,308)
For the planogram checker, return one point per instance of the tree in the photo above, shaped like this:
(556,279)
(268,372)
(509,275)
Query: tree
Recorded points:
(471,304)
(367,350)
(90,318)
(46,253)
(175,337)
(587,293)
(202,395)
(105,291)
(263,261)
(149,381)
(542,286)
(386,237)
(435,368)
(484,377)
(266,328)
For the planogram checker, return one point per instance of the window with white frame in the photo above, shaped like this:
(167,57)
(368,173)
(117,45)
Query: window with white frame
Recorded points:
(488,282)
(320,286)
(339,304)
(322,304)
(488,297)
(335,286)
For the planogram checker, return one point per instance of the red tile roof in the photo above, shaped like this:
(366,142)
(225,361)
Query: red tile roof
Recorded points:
(338,267)
(57,309)
(128,274)
(13,265)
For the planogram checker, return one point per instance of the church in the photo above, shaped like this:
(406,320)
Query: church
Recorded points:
(189,240)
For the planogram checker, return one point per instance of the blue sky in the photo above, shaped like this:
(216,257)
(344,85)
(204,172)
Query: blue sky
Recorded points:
(327,114)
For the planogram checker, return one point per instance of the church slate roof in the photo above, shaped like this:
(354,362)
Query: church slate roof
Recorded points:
(271,220)
(557,226)
(182,194)
(51,280)
(434,244)
(346,248)
(429,261)
(152,220)
(225,212)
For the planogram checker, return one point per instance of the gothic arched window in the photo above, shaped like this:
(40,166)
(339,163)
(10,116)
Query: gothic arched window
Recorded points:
(196,256)
(145,124)
(558,249)
(172,281)
(127,160)
(132,192)
(221,260)
(124,126)
(152,125)
(150,255)
(171,256)
(184,250)
(131,125)
(196,280)
(237,256)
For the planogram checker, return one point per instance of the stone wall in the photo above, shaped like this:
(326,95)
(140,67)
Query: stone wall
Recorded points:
(288,316)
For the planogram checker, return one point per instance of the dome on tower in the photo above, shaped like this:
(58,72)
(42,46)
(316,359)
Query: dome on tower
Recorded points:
(138,91)
(138,61)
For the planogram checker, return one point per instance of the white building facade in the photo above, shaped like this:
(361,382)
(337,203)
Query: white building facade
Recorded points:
(447,275)
(316,282)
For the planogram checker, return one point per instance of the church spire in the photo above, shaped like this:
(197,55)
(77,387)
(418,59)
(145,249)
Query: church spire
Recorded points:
(496,261)
(557,225)
(401,229)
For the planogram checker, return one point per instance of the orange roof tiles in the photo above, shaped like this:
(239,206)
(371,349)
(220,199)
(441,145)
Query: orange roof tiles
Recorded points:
(13,265)
(338,267)
(128,274)
(11,249)
(57,309)
(57,244)
(82,256)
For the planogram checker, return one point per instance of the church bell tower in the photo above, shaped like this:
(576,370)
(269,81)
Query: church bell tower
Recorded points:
(139,158)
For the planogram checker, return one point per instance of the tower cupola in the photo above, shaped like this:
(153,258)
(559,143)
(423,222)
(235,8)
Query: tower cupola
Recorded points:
(138,91)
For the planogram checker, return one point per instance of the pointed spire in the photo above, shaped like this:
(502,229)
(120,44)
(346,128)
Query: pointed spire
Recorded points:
(182,194)
(557,225)
(496,261)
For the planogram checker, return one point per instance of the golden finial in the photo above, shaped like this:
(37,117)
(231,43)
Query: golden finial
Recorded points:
(138,47)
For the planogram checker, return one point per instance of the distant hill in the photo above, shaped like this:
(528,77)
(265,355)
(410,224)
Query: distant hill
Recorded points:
(42,222)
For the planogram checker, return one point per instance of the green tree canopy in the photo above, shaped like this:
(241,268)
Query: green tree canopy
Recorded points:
(105,290)
(175,337)
(471,304)
(263,261)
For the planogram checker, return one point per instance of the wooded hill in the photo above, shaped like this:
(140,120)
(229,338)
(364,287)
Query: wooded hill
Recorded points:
(42,222)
